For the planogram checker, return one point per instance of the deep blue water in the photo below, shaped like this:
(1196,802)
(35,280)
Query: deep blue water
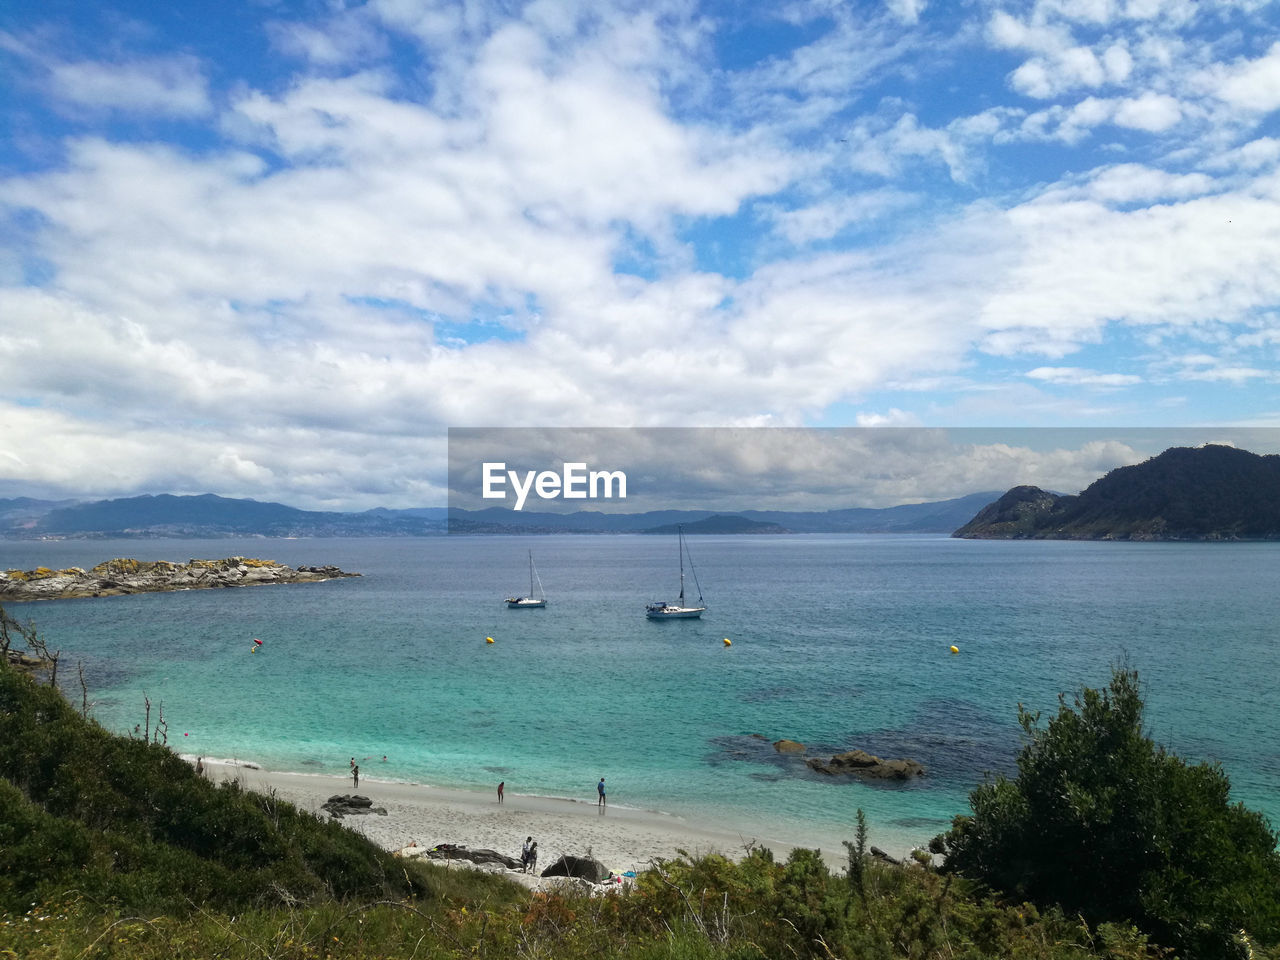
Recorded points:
(838,641)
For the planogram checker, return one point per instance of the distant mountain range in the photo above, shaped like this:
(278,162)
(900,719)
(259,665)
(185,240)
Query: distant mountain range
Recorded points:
(1212,492)
(208,515)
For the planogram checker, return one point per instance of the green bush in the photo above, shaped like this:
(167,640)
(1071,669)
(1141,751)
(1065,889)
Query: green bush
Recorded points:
(1106,824)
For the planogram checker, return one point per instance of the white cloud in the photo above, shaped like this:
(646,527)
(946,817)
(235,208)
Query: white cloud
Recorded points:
(345,39)
(1128,183)
(1252,85)
(168,86)
(908,11)
(1255,155)
(877,150)
(1077,376)
(824,220)
(1152,112)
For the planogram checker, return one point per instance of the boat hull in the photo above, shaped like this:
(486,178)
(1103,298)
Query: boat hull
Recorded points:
(670,612)
(525,603)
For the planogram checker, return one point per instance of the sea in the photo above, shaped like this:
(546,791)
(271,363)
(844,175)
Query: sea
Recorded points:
(836,641)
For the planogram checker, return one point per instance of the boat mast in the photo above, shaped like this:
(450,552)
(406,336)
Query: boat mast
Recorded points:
(680,547)
(531,594)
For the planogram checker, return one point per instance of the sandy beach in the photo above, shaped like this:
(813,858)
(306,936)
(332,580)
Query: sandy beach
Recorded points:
(620,837)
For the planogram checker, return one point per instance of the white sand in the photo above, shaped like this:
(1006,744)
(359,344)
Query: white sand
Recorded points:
(620,837)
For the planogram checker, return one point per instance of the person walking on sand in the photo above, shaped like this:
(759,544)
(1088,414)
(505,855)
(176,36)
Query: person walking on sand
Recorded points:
(355,775)
(500,788)
(601,800)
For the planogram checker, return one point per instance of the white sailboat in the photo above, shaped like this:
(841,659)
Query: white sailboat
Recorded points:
(661,610)
(533,600)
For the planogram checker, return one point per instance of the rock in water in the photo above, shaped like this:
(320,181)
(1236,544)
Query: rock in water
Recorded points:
(862,764)
(126,575)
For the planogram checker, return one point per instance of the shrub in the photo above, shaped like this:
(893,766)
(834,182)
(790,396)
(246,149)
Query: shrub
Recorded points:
(1106,824)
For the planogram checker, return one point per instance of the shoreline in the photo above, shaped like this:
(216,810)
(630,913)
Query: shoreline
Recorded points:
(622,838)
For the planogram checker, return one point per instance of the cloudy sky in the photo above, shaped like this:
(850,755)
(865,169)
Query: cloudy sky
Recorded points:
(276,249)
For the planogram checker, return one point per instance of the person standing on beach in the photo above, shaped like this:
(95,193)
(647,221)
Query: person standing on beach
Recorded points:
(500,788)
(600,797)
(199,766)
(524,854)
(355,774)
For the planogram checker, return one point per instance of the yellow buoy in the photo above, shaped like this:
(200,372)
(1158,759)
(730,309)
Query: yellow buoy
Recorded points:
(955,649)
(488,639)
(728,642)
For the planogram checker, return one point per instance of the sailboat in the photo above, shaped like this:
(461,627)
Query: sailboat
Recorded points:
(533,600)
(661,610)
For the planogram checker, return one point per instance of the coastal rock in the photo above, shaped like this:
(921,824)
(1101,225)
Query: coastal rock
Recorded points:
(125,575)
(863,764)
(350,804)
(788,746)
(454,851)
(878,854)
(583,867)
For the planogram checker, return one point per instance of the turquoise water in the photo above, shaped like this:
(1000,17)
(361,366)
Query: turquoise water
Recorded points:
(838,641)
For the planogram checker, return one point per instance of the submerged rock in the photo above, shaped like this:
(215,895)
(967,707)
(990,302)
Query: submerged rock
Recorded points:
(125,575)
(862,764)
(788,746)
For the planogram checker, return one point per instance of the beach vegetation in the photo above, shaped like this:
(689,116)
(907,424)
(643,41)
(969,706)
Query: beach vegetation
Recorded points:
(1106,824)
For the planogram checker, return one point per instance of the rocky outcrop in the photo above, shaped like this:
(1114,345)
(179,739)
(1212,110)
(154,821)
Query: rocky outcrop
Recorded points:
(582,867)
(862,764)
(453,851)
(123,575)
(788,746)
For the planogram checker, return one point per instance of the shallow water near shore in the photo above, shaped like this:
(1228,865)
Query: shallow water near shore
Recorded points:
(838,642)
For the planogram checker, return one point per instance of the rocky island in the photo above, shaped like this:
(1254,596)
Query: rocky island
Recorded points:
(125,575)
(1212,492)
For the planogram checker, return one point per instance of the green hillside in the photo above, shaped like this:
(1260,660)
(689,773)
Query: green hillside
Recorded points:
(1212,492)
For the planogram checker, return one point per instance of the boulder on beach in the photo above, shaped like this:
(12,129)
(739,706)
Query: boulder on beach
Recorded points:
(348,804)
(482,857)
(582,867)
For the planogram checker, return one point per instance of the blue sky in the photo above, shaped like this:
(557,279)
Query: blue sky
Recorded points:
(276,249)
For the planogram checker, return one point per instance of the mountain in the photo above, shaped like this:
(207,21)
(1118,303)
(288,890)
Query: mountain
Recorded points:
(720,523)
(208,515)
(941,516)
(1212,492)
